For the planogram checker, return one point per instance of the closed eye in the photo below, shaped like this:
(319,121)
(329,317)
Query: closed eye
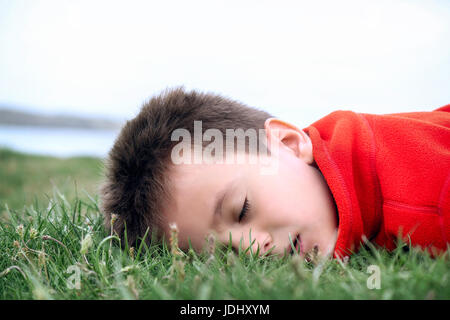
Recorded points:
(244,210)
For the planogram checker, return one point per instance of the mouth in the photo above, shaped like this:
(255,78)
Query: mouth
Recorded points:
(297,244)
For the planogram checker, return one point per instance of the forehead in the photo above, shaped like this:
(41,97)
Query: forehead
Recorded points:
(195,188)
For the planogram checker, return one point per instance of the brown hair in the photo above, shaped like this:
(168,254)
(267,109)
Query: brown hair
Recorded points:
(137,187)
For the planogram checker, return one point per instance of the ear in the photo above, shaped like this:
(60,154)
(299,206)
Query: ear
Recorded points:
(286,135)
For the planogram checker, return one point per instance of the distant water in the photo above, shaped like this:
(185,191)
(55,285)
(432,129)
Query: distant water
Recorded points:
(60,142)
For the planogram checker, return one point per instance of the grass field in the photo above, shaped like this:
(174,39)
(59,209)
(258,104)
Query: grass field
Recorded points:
(52,235)
(26,179)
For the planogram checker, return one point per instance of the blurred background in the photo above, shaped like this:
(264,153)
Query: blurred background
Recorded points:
(72,71)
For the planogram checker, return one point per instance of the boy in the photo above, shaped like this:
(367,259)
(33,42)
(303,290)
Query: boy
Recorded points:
(345,177)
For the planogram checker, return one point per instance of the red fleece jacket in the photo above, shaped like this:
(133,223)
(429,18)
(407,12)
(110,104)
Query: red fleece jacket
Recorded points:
(389,176)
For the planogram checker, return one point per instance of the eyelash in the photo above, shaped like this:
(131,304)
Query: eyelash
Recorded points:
(244,210)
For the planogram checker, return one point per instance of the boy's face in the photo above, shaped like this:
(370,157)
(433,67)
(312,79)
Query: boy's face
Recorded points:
(293,201)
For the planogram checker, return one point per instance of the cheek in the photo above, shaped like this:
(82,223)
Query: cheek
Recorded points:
(278,200)
(287,195)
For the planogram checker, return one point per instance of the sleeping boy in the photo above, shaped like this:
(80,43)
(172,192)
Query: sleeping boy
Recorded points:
(346,178)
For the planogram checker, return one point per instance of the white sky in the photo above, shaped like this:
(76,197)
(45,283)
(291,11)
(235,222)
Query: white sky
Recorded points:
(298,60)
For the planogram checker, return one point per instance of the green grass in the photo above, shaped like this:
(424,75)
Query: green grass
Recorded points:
(26,178)
(34,259)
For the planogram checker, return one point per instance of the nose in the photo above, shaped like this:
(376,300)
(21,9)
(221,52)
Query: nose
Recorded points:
(255,240)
